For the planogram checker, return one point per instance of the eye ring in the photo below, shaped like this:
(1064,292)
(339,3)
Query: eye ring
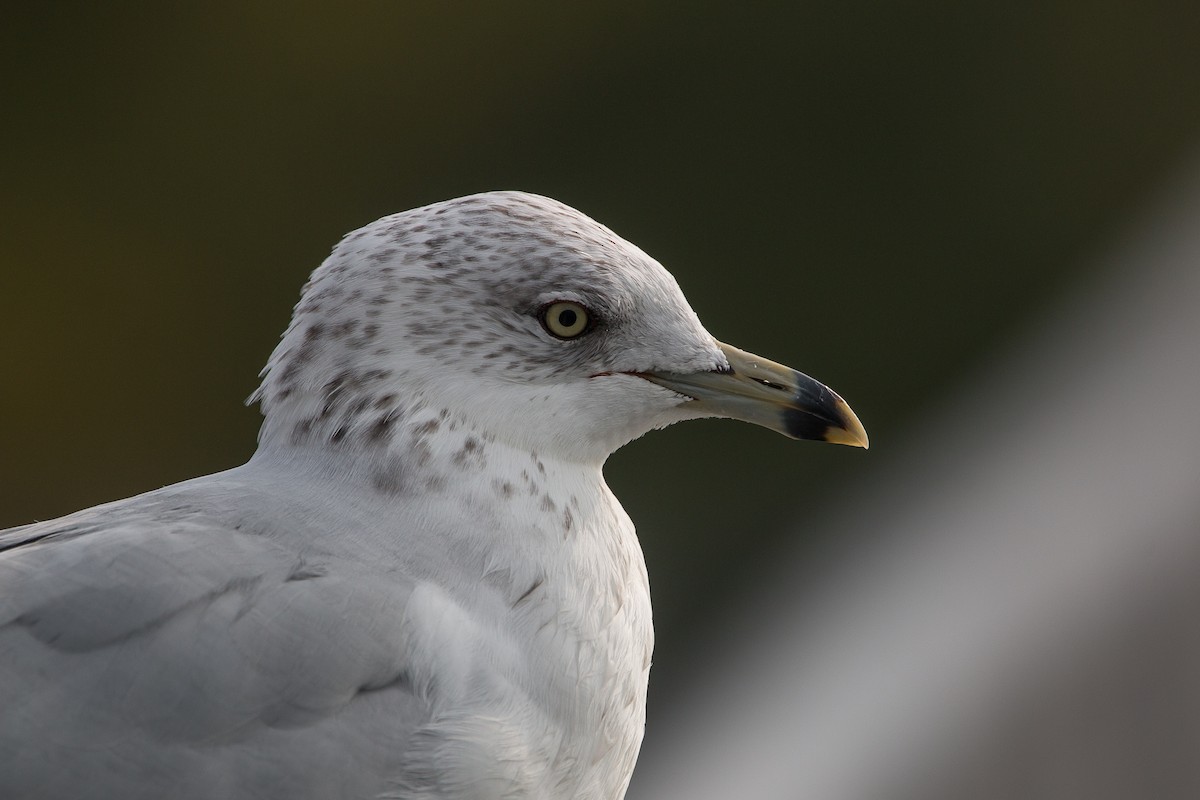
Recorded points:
(565,319)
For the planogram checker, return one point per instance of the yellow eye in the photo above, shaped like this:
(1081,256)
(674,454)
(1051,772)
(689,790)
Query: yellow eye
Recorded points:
(565,319)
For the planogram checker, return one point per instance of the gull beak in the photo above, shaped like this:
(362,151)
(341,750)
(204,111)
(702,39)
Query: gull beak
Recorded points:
(756,390)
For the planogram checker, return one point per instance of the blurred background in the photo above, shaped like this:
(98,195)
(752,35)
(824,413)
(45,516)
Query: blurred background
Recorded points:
(924,205)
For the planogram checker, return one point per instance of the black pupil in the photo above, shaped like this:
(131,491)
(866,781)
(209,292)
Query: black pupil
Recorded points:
(567,318)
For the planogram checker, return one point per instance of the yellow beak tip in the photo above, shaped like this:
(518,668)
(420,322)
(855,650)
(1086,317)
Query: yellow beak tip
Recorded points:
(851,432)
(848,437)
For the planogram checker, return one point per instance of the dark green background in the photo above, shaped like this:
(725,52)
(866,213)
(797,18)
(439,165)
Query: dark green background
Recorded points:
(875,193)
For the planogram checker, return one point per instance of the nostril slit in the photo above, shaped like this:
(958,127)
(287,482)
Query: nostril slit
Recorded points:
(771,385)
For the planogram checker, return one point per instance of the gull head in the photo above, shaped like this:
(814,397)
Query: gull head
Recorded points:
(523,319)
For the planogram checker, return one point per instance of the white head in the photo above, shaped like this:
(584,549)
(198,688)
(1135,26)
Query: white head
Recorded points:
(524,319)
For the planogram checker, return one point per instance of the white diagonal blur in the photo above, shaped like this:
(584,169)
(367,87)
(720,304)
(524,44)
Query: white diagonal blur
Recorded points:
(1012,609)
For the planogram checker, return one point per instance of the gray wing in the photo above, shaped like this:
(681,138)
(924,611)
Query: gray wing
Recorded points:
(151,654)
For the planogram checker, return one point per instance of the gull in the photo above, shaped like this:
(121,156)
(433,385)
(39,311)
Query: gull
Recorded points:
(420,585)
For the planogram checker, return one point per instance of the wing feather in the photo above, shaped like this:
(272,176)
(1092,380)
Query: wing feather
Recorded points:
(142,651)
